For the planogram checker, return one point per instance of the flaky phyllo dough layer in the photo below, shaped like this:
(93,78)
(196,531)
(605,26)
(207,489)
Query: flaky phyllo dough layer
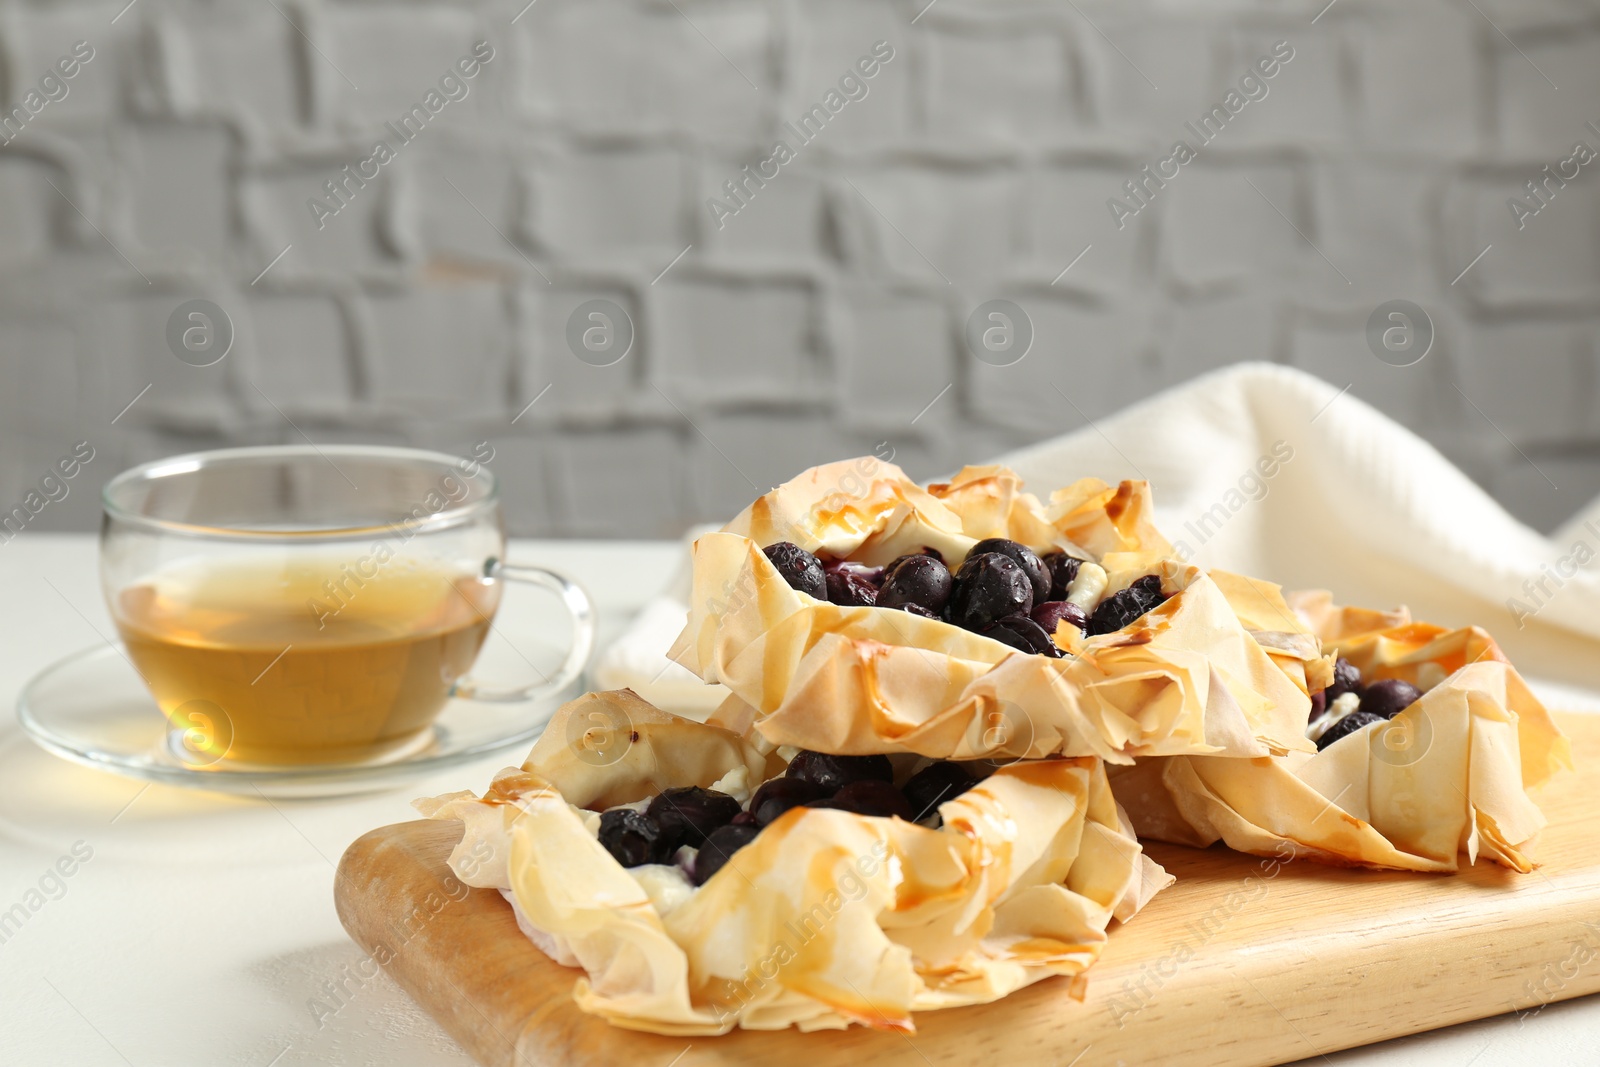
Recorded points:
(827,918)
(1189,677)
(1448,776)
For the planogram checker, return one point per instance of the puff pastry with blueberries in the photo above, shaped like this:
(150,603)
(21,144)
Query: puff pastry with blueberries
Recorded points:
(817,898)
(852,611)
(1428,740)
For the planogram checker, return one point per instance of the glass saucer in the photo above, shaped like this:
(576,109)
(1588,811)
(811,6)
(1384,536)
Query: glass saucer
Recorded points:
(93,709)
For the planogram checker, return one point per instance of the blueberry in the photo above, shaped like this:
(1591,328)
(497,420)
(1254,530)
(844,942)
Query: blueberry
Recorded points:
(719,848)
(918,609)
(1388,697)
(851,590)
(889,567)
(688,814)
(988,587)
(633,838)
(1052,612)
(799,568)
(1024,557)
(1346,679)
(744,818)
(935,784)
(1022,633)
(835,772)
(915,581)
(1150,588)
(1346,726)
(924,552)
(869,797)
(780,794)
(1062,569)
(1121,608)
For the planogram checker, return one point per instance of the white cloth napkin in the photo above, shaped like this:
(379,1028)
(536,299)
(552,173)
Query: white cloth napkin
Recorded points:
(1271,472)
(638,659)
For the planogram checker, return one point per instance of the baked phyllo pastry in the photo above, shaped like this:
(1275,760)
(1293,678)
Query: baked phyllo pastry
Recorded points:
(852,611)
(701,885)
(1428,742)
(1287,636)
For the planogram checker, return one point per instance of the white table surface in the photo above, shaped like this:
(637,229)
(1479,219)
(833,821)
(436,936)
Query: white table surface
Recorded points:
(202,929)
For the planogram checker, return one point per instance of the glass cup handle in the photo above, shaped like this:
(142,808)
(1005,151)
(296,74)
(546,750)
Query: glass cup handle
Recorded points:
(578,607)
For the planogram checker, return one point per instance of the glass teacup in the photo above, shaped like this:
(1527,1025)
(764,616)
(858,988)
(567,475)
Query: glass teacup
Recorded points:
(305,605)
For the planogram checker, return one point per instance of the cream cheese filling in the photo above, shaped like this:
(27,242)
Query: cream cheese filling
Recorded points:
(1343,706)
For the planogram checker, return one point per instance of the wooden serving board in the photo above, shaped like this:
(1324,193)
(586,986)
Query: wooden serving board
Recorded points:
(1228,966)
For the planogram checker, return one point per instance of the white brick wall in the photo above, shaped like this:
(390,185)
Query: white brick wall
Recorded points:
(827,314)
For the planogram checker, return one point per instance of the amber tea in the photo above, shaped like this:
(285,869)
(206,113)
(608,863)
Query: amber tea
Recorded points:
(293,662)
